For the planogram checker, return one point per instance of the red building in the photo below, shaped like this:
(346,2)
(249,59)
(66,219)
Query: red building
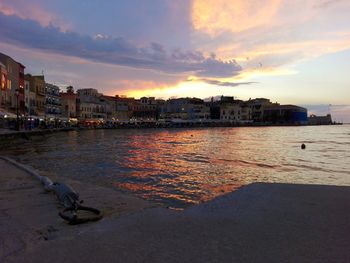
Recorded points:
(4,92)
(14,84)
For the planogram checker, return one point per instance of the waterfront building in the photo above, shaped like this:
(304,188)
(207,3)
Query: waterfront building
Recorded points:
(110,106)
(246,113)
(198,110)
(214,107)
(173,109)
(227,109)
(144,110)
(30,94)
(30,99)
(91,106)
(320,120)
(230,109)
(52,101)
(5,93)
(230,112)
(37,86)
(124,106)
(185,109)
(285,114)
(15,84)
(257,107)
(21,98)
(68,102)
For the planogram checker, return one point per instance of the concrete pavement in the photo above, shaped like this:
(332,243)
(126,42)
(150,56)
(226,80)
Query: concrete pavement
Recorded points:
(257,223)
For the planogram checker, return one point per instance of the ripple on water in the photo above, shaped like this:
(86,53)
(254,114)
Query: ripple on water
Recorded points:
(185,166)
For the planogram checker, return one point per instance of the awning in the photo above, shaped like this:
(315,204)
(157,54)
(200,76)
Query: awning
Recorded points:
(5,114)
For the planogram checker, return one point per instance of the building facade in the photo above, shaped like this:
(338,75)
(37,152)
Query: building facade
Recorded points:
(230,112)
(91,105)
(184,109)
(5,92)
(52,100)
(30,99)
(320,120)
(110,106)
(285,114)
(15,84)
(124,107)
(21,98)
(257,107)
(68,104)
(145,109)
(37,87)
(246,112)
(230,109)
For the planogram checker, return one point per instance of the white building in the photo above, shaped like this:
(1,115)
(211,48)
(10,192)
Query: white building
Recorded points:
(52,100)
(91,105)
(230,112)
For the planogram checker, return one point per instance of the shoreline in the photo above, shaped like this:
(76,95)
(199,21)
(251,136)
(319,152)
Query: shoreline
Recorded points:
(6,134)
(26,134)
(257,223)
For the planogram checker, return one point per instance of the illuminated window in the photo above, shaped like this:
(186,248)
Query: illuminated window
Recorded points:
(3,81)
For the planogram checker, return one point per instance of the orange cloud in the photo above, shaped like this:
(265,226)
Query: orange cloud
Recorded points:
(309,48)
(278,58)
(269,37)
(216,16)
(140,88)
(192,87)
(266,54)
(315,48)
(180,89)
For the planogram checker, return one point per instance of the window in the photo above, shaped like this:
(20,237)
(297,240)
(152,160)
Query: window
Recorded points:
(3,81)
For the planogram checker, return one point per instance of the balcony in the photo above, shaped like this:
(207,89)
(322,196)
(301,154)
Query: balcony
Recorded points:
(54,103)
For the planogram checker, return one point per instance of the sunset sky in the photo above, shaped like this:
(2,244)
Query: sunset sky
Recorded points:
(289,51)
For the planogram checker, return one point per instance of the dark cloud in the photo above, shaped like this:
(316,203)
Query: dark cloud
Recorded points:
(117,51)
(225,83)
(195,56)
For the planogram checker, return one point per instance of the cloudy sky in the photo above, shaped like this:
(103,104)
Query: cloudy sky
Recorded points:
(289,51)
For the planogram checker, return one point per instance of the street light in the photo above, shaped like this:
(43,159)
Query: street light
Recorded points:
(17,108)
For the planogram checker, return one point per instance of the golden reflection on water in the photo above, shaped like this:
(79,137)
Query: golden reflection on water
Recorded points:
(185,166)
(204,163)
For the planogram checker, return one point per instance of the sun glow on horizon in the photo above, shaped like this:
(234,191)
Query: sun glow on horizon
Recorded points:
(186,88)
(202,88)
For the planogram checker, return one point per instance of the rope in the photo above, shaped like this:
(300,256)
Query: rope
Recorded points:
(65,195)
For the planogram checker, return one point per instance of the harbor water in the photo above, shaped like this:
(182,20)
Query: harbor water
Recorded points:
(180,167)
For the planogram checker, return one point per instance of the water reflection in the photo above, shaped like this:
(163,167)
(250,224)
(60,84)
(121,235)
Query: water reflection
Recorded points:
(184,166)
